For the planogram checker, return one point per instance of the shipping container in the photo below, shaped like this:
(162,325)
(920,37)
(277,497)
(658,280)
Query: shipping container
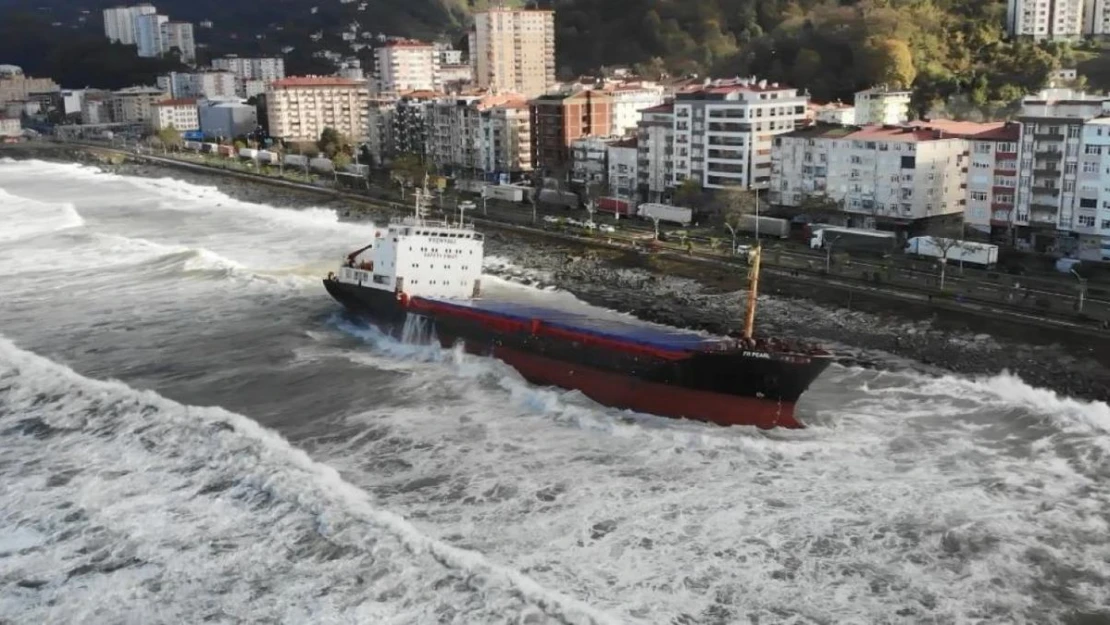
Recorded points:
(854,240)
(768,226)
(248,153)
(226,150)
(614,205)
(265,156)
(295,160)
(322,165)
(195,146)
(967,252)
(565,199)
(210,148)
(505,192)
(666,212)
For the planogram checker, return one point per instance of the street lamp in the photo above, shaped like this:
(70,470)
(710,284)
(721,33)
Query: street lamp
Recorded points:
(1082,289)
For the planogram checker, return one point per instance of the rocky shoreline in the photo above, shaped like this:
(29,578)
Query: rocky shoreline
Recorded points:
(886,341)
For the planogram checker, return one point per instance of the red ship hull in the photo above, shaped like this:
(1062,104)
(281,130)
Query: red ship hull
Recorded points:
(622,391)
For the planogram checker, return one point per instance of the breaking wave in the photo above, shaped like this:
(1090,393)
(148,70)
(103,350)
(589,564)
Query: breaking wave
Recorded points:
(24,218)
(193,513)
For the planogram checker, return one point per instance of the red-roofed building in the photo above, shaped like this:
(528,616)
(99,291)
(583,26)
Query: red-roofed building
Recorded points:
(992,177)
(878,175)
(300,107)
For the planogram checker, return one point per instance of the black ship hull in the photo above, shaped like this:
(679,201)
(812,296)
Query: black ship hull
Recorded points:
(726,387)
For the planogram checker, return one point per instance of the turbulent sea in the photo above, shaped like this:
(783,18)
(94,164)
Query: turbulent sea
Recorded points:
(191,431)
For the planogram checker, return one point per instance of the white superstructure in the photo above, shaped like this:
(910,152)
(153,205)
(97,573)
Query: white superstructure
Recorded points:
(420,259)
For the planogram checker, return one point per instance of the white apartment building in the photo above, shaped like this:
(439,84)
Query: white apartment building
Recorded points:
(1096,18)
(181,114)
(379,128)
(406,65)
(992,179)
(835,113)
(119,22)
(301,107)
(1049,19)
(654,152)
(134,105)
(723,132)
(628,101)
(879,105)
(506,141)
(622,176)
(513,50)
(210,85)
(148,34)
(448,55)
(254,74)
(1051,146)
(877,174)
(1091,223)
(226,119)
(179,36)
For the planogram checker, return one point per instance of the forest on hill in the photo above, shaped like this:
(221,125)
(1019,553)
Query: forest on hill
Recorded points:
(832,48)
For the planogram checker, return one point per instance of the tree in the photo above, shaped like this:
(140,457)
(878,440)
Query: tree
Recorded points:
(408,170)
(331,142)
(341,160)
(689,193)
(946,237)
(818,207)
(890,62)
(170,137)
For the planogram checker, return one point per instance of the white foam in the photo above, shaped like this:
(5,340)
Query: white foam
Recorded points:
(139,460)
(23,218)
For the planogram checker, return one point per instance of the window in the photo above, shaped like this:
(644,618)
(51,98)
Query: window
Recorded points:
(979,196)
(1090,167)
(1106,224)
(1093,149)
(982,147)
(1087,221)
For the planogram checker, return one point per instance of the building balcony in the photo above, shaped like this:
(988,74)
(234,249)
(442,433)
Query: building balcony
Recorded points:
(1046,172)
(1046,191)
(1049,155)
(1048,136)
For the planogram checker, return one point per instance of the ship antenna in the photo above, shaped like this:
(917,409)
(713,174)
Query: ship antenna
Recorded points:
(753,279)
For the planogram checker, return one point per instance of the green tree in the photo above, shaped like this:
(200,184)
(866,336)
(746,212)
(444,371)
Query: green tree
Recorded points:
(170,137)
(341,160)
(409,170)
(890,62)
(331,142)
(688,194)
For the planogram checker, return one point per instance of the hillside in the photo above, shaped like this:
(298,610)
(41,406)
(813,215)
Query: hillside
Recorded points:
(830,47)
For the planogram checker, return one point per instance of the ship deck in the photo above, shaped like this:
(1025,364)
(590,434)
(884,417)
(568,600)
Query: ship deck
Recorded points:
(589,320)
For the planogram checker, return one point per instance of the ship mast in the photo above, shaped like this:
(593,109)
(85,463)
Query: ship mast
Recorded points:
(753,279)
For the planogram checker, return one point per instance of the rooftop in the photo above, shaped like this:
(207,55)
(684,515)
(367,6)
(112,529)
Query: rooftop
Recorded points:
(961,129)
(177,102)
(315,81)
(666,107)
(407,43)
(906,133)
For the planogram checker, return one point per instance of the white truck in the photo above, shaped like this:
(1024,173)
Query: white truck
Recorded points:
(967,252)
(665,212)
(248,153)
(505,192)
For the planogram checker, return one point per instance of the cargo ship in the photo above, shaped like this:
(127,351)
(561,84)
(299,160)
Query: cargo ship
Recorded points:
(419,271)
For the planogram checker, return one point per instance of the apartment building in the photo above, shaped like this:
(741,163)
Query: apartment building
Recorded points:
(379,131)
(406,65)
(558,119)
(180,114)
(149,34)
(879,105)
(300,107)
(513,50)
(10,127)
(506,141)
(17,87)
(655,152)
(589,160)
(628,101)
(179,36)
(834,113)
(1096,18)
(134,105)
(1091,225)
(992,177)
(1050,19)
(622,175)
(213,85)
(453,132)
(890,175)
(723,133)
(1051,145)
(254,73)
(119,22)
